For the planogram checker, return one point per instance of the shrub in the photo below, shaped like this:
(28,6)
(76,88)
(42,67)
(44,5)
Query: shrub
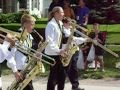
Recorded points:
(10,18)
(14,18)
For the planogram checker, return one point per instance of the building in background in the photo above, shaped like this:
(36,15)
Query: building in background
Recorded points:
(37,7)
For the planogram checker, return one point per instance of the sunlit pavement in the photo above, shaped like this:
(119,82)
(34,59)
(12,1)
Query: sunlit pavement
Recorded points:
(40,84)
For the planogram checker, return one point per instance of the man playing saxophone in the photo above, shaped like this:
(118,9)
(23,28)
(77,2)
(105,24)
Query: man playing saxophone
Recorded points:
(53,34)
(71,69)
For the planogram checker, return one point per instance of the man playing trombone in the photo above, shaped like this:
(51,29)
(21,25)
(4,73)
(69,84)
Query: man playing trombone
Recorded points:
(19,58)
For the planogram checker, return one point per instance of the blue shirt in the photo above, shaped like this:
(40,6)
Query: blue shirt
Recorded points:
(81,13)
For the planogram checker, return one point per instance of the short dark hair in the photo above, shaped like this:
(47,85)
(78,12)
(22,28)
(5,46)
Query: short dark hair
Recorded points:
(66,20)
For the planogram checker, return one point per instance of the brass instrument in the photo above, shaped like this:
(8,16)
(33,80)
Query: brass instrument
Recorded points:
(14,34)
(98,44)
(18,44)
(93,41)
(9,31)
(70,49)
(34,67)
(35,64)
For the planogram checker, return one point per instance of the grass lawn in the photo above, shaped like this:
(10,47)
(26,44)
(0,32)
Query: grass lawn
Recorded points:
(113,38)
(42,24)
(109,28)
(110,70)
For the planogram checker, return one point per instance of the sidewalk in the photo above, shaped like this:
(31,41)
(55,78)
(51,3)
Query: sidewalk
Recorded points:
(87,84)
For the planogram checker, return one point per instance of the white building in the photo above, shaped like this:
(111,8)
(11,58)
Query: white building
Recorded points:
(37,7)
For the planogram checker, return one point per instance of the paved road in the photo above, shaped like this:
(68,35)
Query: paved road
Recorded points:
(88,84)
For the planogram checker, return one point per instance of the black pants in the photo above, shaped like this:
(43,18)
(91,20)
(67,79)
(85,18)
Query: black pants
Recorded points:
(56,76)
(0,74)
(72,71)
(29,85)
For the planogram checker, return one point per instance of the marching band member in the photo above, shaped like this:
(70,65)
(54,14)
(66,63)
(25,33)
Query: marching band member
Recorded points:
(98,51)
(18,61)
(71,69)
(53,34)
(7,50)
(27,22)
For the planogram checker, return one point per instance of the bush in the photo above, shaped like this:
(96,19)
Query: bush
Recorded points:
(10,17)
(16,17)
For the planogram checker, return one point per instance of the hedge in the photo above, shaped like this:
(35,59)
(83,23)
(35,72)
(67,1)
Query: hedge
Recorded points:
(16,17)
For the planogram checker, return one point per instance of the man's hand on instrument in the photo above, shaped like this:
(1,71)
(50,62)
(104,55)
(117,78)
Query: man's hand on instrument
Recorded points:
(18,76)
(63,53)
(38,55)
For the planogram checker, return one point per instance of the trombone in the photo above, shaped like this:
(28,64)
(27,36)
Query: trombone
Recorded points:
(34,65)
(96,43)
(32,53)
(9,31)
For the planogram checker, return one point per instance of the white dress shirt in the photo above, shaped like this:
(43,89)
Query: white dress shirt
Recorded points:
(53,36)
(5,54)
(20,58)
(15,59)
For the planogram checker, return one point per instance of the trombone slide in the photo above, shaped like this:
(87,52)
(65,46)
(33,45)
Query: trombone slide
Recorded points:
(98,44)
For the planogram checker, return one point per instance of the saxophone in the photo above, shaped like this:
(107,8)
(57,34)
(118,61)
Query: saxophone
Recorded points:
(33,67)
(70,49)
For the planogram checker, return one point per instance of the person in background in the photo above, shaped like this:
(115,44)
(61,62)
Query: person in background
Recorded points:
(53,4)
(98,51)
(82,13)
(68,10)
(85,49)
(53,34)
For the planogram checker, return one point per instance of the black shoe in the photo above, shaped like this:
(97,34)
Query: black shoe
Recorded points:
(78,89)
